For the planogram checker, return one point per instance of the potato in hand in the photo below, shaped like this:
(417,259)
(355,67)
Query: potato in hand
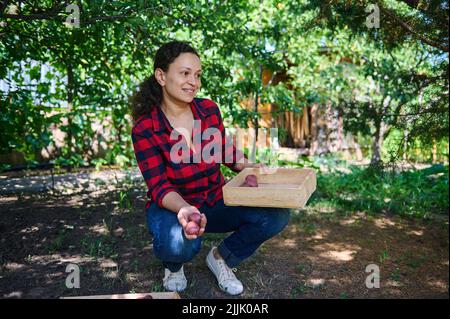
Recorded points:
(192,228)
(196,218)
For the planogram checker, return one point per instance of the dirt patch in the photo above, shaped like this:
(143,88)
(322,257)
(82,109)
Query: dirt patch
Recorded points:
(319,255)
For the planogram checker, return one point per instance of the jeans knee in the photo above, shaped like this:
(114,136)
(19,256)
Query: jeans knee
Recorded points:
(169,242)
(177,249)
(275,221)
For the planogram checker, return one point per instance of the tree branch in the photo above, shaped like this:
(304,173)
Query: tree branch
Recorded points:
(44,15)
(408,28)
(427,111)
(4,5)
(51,14)
(29,17)
(109,18)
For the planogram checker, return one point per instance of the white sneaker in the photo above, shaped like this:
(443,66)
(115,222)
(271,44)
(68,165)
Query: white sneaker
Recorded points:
(224,274)
(174,281)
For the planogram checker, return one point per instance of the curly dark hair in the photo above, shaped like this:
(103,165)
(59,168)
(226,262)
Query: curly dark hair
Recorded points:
(149,93)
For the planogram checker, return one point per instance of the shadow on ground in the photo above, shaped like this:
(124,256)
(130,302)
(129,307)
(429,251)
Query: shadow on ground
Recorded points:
(321,254)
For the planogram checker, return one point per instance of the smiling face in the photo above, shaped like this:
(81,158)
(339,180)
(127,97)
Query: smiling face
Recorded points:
(182,80)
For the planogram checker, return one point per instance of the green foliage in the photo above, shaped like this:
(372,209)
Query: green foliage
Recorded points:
(73,160)
(125,201)
(74,77)
(23,125)
(227,172)
(420,193)
(417,150)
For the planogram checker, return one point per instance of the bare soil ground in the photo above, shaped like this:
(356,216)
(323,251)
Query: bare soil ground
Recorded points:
(321,254)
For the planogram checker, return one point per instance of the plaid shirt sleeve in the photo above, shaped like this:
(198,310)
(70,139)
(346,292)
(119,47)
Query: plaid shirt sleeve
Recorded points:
(152,167)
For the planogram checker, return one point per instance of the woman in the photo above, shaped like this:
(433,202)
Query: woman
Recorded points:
(179,186)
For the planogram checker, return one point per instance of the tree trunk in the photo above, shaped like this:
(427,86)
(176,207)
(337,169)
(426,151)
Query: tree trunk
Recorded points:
(376,146)
(255,119)
(380,130)
(377,143)
(434,152)
(314,142)
(333,126)
(405,145)
(69,107)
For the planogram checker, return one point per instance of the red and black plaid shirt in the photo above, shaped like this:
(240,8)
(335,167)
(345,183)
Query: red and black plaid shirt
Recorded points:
(196,180)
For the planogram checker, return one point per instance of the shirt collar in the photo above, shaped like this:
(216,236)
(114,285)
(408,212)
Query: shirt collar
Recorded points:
(160,121)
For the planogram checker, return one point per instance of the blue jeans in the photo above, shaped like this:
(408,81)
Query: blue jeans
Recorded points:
(250,227)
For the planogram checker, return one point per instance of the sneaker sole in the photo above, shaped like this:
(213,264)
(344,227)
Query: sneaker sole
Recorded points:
(175,290)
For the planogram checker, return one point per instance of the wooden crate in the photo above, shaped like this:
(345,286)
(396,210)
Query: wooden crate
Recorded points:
(283,187)
(153,295)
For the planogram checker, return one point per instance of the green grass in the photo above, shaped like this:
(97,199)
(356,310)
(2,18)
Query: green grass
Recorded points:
(343,189)
(59,242)
(396,275)
(419,194)
(299,290)
(413,259)
(301,267)
(103,246)
(384,255)
(212,239)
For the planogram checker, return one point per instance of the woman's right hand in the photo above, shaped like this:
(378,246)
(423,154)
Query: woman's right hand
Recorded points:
(183,219)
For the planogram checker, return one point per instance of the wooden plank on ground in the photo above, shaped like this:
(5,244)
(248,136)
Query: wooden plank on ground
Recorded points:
(149,295)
